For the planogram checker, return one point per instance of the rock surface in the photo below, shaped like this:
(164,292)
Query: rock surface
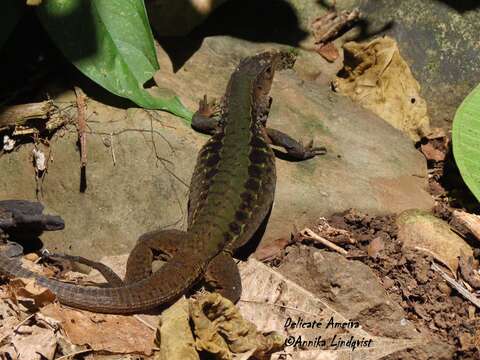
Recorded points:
(422,231)
(353,290)
(134,186)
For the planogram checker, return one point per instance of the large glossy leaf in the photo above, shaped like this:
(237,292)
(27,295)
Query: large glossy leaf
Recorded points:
(10,12)
(466,140)
(111,42)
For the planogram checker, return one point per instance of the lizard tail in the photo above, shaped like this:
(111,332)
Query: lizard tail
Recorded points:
(163,286)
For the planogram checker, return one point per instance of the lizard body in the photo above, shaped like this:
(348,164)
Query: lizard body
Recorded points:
(231,192)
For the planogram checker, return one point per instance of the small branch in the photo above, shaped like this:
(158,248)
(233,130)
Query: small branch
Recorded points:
(328,27)
(468,223)
(139,318)
(457,286)
(20,114)
(467,265)
(309,234)
(68,356)
(81,125)
(113,150)
(436,257)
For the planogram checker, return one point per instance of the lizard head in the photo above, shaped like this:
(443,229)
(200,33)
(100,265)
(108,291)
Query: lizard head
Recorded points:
(265,65)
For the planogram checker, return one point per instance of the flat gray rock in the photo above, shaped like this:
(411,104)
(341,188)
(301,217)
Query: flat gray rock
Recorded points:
(134,186)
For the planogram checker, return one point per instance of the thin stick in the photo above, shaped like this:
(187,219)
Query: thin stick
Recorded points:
(457,286)
(113,149)
(81,125)
(435,256)
(145,323)
(73,354)
(308,233)
(19,114)
(470,223)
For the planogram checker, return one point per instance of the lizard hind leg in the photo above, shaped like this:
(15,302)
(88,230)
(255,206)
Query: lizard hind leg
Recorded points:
(161,243)
(223,277)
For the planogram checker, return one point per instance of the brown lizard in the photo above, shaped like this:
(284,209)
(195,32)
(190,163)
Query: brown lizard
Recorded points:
(231,192)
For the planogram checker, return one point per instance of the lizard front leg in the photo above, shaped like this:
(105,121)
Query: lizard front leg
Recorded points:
(294,148)
(206,118)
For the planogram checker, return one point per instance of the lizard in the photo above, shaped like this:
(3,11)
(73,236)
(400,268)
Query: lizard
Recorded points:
(231,192)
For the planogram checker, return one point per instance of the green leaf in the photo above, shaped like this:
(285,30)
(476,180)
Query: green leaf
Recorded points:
(466,140)
(10,13)
(111,42)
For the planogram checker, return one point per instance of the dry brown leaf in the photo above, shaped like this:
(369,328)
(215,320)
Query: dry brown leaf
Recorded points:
(271,249)
(432,153)
(31,343)
(102,332)
(376,76)
(37,268)
(375,247)
(329,52)
(269,299)
(27,290)
(10,319)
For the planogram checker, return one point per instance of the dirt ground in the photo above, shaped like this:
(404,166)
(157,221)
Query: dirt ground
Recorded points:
(407,275)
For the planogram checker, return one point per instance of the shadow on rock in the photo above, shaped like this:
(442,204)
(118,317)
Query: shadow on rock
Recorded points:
(462,5)
(257,21)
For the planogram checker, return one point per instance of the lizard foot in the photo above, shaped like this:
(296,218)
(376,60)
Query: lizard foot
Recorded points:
(208,109)
(207,117)
(310,151)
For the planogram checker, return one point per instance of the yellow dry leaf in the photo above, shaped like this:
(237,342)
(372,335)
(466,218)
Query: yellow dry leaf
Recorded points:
(376,76)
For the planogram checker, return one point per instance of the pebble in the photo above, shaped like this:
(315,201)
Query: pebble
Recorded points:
(31,257)
(444,288)
(387,282)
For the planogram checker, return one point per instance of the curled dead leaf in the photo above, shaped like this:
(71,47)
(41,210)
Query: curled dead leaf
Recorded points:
(221,330)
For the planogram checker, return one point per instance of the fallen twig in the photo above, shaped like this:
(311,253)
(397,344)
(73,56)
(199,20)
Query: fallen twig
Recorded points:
(328,26)
(139,318)
(81,125)
(467,265)
(457,286)
(309,234)
(436,257)
(468,223)
(74,354)
(113,150)
(20,114)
